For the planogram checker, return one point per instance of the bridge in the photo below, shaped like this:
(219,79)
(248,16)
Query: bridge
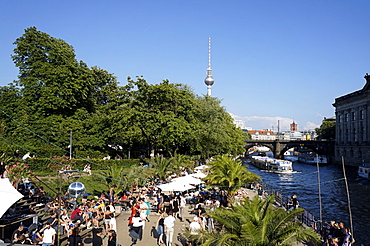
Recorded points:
(279,147)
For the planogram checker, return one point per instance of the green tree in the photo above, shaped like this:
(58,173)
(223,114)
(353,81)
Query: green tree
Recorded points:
(215,132)
(230,175)
(326,130)
(258,223)
(52,80)
(162,114)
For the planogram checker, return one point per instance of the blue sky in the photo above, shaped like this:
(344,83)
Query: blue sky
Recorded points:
(271,60)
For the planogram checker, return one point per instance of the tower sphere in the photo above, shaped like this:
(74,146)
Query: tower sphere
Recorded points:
(209,79)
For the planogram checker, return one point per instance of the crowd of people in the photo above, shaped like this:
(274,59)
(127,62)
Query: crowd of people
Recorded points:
(336,234)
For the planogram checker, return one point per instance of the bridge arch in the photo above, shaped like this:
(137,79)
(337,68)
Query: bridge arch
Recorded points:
(268,145)
(279,147)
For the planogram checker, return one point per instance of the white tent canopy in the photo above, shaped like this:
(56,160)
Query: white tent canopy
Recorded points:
(174,186)
(188,179)
(201,167)
(198,175)
(8,195)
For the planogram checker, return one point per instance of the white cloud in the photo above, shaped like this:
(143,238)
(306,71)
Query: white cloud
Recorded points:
(310,126)
(264,122)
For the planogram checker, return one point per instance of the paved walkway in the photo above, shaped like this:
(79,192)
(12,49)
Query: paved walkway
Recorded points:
(148,239)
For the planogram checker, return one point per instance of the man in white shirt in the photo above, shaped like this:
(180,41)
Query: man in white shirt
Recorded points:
(26,156)
(195,226)
(169,223)
(49,235)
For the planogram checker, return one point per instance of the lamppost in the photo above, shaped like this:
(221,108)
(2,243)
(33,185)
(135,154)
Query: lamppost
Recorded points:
(70,144)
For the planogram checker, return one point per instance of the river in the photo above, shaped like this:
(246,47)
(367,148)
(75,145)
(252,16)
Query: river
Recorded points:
(304,184)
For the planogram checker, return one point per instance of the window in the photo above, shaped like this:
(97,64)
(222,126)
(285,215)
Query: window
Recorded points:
(362,114)
(353,115)
(340,118)
(346,117)
(355,135)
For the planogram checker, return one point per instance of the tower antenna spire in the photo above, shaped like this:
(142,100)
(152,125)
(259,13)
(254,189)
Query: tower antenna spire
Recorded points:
(209,79)
(209,52)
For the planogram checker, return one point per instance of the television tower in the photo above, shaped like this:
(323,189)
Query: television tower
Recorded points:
(209,79)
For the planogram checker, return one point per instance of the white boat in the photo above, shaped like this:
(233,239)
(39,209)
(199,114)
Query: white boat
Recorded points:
(290,156)
(312,158)
(364,171)
(272,164)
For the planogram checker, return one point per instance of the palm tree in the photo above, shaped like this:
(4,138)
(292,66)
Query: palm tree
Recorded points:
(116,176)
(229,174)
(256,222)
(182,161)
(162,167)
(123,178)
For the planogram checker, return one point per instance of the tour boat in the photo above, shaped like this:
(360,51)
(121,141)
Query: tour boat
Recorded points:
(272,164)
(312,158)
(364,171)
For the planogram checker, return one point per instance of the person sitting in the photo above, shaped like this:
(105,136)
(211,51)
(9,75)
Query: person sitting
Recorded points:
(87,169)
(77,215)
(16,236)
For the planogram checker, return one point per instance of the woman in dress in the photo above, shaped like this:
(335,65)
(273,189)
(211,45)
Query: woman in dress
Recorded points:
(175,206)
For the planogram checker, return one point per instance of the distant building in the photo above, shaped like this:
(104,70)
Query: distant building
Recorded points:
(353,126)
(309,134)
(239,123)
(293,127)
(262,134)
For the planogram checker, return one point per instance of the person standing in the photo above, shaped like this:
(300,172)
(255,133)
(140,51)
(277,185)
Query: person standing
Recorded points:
(49,235)
(111,194)
(97,240)
(136,230)
(75,239)
(169,223)
(194,228)
(182,206)
(175,206)
(295,202)
(147,202)
(347,238)
(112,238)
(160,230)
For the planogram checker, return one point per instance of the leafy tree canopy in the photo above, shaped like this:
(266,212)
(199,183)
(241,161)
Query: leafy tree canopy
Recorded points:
(326,130)
(55,94)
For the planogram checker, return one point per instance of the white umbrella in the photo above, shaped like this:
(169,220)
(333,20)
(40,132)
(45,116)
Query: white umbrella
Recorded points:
(201,167)
(188,180)
(8,195)
(174,186)
(198,175)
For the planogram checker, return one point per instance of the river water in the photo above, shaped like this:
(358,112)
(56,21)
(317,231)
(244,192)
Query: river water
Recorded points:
(304,184)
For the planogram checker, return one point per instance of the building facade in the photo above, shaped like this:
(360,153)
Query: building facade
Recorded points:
(262,135)
(352,126)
